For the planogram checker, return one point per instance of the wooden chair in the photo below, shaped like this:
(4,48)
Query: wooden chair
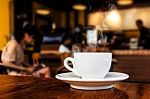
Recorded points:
(36,57)
(61,68)
(63,56)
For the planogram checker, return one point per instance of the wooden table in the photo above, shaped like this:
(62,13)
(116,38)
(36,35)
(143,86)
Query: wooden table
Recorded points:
(46,52)
(18,87)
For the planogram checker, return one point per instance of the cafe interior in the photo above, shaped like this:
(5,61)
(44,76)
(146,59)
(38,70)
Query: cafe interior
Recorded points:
(107,26)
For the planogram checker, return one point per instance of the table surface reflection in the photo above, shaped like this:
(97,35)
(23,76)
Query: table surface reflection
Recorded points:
(23,87)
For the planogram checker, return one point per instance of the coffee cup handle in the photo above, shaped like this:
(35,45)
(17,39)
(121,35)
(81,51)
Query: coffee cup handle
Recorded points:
(68,67)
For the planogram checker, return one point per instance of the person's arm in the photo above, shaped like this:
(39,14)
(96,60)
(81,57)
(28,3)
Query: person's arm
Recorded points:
(64,53)
(8,58)
(13,66)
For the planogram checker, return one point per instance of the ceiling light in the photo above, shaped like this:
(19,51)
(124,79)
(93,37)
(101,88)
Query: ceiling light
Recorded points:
(43,11)
(124,2)
(79,7)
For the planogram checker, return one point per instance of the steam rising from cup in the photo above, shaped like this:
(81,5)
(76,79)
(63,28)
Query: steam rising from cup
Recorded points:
(98,37)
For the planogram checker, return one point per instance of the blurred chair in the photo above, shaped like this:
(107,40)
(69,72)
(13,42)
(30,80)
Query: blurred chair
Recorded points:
(63,56)
(36,57)
(62,68)
(40,67)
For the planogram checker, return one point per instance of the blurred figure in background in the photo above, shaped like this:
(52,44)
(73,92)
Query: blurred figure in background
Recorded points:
(144,40)
(78,39)
(65,50)
(35,45)
(13,54)
(66,44)
(78,34)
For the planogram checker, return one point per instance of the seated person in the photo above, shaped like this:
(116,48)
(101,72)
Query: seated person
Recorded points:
(13,55)
(65,51)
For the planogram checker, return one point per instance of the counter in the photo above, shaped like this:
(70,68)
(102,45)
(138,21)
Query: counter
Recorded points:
(136,63)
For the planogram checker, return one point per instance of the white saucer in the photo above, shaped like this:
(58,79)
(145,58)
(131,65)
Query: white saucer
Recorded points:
(92,84)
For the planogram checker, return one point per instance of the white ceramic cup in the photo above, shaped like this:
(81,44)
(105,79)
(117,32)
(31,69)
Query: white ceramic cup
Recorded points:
(90,65)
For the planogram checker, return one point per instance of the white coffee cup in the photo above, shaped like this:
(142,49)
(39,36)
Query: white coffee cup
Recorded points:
(90,65)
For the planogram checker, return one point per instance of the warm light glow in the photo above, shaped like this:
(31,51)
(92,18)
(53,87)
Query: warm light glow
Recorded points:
(79,7)
(43,11)
(125,2)
(114,20)
(113,16)
(53,26)
(125,21)
(96,18)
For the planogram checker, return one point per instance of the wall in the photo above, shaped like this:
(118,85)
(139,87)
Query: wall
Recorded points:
(72,18)
(4,22)
(121,19)
(129,17)
(81,18)
(57,17)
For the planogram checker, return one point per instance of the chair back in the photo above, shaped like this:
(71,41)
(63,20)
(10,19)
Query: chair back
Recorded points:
(63,56)
(35,58)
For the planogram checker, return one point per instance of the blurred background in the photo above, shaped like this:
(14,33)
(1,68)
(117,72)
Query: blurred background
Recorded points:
(61,16)
(55,18)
